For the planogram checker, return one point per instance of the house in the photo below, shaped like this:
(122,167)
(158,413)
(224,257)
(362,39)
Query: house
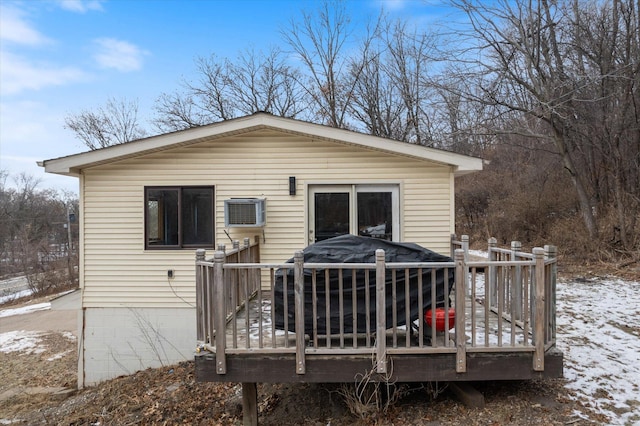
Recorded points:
(147,205)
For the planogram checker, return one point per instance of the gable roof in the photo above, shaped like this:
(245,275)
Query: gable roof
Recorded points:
(72,164)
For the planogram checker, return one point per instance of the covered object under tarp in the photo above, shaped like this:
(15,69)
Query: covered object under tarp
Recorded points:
(355,249)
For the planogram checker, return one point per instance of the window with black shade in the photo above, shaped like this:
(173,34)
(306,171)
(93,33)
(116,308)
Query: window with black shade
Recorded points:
(179,217)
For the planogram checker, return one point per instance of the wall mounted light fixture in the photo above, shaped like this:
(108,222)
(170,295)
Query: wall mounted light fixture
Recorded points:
(292,185)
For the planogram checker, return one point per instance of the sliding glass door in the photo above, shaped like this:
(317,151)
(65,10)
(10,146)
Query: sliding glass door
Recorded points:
(367,210)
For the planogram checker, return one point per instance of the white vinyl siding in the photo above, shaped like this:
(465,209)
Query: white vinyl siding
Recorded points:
(119,272)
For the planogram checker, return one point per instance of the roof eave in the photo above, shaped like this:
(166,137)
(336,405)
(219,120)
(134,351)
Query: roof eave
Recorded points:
(71,165)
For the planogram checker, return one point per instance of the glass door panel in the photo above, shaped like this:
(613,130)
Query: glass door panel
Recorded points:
(375,215)
(331,215)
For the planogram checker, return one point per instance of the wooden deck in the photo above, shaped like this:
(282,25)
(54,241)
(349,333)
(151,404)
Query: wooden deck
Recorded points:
(433,359)
(504,327)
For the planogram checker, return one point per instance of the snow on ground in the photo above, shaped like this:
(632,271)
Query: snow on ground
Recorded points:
(25,309)
(27,342)
(21,341)
(13,288)
(599,333)
(597,330)
(13,296)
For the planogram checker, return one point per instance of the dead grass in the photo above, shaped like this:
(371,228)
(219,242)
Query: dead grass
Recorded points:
(170,395)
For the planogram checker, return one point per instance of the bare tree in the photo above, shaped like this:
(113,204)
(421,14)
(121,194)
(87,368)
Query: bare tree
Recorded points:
(409,54)
(225,90)
(393,95)
(567,72)
(375,104)
(319,42)
(178,111)
(114,123)
(34,240)
(608,113)
(265,83)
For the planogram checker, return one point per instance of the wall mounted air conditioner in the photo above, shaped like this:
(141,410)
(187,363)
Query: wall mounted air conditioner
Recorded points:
(247,212)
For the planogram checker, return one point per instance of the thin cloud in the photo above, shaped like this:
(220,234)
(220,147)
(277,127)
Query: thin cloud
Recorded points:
(24,129)
(81,6)
(118,54)
(15,28)
(393,4)
(18,74)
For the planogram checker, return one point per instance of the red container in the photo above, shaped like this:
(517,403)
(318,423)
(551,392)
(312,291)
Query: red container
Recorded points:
(440,315)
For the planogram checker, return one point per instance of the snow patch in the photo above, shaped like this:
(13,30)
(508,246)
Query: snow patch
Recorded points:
(58,356)
(21,341)
(599,334)
(13,296)
(69,335)
(25,309)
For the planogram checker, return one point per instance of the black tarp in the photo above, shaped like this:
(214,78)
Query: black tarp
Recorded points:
(355,249)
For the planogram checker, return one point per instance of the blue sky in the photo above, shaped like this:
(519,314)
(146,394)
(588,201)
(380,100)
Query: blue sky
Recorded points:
(60,57)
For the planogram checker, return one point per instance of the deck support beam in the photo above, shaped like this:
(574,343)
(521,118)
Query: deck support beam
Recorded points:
(467,394)
(280,368)
(249,404)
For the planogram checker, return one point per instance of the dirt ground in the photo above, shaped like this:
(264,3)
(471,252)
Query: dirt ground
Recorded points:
(170,395)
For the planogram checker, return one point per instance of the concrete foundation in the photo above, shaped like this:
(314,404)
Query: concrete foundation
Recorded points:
(121,341)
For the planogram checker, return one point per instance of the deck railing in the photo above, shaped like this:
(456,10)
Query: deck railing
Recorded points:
(505,303)
(240,285)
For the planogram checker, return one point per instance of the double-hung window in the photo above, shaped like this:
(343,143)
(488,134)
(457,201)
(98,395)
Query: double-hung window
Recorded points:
(179,217)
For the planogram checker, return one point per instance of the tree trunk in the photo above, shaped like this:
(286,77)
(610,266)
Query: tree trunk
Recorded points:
(583,198)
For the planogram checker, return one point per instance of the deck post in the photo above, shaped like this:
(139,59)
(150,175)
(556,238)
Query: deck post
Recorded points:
(249,404)
(381,314)
(298,286)
(516,283)
(452,244)
(200,335)
(219,311)
(492,288)
(465,248)
(460,291)
(539,318)
(551,252)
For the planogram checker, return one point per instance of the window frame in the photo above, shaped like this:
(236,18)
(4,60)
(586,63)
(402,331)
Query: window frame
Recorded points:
(179,189)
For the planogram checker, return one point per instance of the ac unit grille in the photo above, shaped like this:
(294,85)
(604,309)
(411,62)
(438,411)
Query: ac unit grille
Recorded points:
(248,212)
(242,214)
